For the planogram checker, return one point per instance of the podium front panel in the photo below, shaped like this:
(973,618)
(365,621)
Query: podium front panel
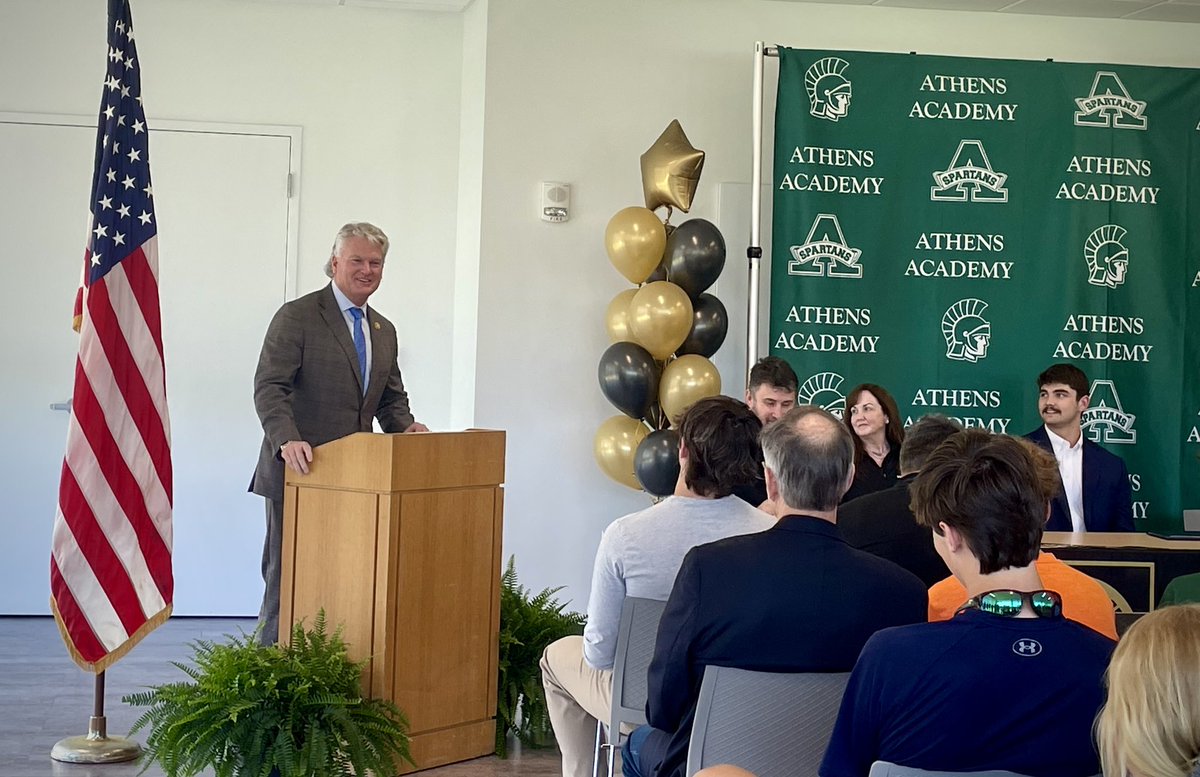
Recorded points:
(445,582)
(335,562)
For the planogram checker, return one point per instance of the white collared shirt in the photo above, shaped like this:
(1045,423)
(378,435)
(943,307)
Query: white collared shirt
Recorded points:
(1070,469)
(344,304)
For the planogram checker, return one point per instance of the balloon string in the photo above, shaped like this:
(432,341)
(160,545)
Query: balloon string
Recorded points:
(670,212)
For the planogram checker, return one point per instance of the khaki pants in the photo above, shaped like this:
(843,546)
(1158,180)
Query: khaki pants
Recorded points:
(576,697)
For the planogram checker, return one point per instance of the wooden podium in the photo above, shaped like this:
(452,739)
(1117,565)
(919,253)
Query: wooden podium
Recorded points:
(397,537)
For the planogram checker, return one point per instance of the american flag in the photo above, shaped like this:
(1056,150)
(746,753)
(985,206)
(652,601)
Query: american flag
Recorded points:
(110,566)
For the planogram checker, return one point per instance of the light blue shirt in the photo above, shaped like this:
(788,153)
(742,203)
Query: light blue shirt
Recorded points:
(344,304)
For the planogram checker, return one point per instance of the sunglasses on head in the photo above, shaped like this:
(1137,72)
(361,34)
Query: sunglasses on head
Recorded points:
(1045,604)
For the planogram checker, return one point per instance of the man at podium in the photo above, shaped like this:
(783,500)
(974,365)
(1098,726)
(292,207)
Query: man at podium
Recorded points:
(328,367)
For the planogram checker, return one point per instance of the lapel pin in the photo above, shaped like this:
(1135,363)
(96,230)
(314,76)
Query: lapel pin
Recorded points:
(377,325)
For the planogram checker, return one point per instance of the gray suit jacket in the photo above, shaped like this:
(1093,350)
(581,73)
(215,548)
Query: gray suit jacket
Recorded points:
(307,385)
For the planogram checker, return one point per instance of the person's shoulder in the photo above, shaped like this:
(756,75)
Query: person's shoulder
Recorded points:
(1086,642)
(902,644)
(744,513)
(1038,435)
(884,570)
(1101,453)
(639,522)
(862,510)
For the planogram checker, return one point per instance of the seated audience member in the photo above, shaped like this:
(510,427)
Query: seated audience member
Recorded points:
(1008,683)
(873,419)
(794,598)
(770,394)
(771,390)
(639,555)
(882,523)
(1095,493)
(1150,726)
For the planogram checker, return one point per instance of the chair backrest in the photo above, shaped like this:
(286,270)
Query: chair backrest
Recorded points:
(635,647)
(888,769)
(771,724)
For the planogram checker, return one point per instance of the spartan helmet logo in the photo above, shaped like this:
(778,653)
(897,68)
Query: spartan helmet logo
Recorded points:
(828,89)
(967,332)
(824,391)
(1107,258)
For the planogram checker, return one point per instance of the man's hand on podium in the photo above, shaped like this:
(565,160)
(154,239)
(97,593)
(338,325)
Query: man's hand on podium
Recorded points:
(296,454)
(416,426)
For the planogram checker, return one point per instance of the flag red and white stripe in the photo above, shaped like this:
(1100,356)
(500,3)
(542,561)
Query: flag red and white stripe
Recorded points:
(110,569)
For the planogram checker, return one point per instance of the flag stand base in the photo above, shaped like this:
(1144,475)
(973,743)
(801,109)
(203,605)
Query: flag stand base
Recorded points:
(96,747)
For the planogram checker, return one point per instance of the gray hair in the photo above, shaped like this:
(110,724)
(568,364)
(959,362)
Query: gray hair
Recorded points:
(362,229)
(922,438)
(811,455)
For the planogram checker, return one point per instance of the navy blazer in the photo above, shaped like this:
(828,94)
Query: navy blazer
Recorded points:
(793,598)
(1107,498)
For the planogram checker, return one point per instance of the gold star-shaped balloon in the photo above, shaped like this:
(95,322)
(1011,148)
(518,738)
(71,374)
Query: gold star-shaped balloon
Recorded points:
(671,170)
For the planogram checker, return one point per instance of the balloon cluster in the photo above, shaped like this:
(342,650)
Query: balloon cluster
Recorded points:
(664,331)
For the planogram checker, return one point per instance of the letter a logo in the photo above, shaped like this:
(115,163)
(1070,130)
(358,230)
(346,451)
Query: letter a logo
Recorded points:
(1109,105)
(825,251)
(969,177)
(1105,420)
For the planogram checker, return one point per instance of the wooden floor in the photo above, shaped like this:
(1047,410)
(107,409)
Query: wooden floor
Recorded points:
(44,697)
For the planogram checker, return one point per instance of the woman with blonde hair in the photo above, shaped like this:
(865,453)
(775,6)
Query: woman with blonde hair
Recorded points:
(1150,725)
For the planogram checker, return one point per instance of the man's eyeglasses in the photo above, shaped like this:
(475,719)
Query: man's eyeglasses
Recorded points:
(1045,604)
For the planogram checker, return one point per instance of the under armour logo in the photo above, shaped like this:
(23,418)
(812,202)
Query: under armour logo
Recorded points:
(1027,647)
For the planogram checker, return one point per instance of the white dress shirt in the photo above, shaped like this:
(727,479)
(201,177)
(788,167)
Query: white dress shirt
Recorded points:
(1070,469)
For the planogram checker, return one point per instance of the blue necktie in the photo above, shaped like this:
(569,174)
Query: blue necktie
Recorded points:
(360,345)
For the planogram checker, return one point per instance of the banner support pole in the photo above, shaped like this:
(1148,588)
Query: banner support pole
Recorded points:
(754,250)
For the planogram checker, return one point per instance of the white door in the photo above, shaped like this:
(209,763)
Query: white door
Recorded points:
(224,255)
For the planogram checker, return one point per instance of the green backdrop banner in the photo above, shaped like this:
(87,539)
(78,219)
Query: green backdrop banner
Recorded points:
(949,227)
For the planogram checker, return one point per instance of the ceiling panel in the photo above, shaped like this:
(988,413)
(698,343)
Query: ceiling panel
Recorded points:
(1142,10)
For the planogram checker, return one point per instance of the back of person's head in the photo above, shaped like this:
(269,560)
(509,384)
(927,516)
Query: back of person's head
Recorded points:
(721,437)
(993,490)
(1067,374)
(1150,725)
(773,371)
(922,438)
(811,455)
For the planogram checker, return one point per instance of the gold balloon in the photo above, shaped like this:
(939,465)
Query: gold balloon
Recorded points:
(671,170)
(660,317)
(684,381)
(616,317)
(615,444)
(635,240)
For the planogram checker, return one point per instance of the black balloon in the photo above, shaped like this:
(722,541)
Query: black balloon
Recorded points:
(710,323)
(656,462)
(695,256)
(629,378)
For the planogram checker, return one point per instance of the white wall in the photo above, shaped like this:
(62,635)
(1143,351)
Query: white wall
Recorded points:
(377,95)
(576,92)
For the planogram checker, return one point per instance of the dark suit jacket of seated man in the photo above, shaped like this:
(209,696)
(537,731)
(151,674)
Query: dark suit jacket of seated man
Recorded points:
(794,598)
(1107,498)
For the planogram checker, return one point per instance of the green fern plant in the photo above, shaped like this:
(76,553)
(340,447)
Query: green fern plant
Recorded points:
(253,711)
(527,625)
